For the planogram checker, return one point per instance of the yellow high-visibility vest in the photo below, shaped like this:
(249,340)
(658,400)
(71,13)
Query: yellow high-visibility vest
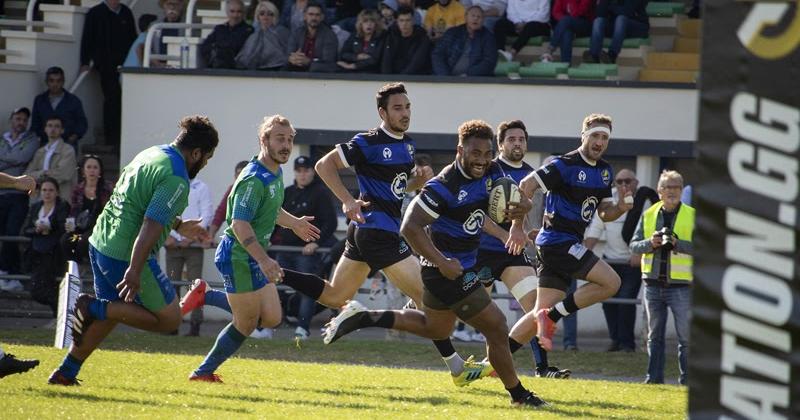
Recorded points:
(679,264)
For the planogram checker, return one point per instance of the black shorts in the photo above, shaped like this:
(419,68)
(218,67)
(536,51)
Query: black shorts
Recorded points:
(558,265)
(490,265)
(376,247)
(465,296)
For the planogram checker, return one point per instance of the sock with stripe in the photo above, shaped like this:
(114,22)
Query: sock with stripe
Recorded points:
(228,342)
(452,359)
(563,308)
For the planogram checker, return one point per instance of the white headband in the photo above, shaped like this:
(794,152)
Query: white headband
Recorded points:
(600,128)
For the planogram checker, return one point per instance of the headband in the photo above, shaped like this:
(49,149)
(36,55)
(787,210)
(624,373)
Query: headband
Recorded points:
(601,128)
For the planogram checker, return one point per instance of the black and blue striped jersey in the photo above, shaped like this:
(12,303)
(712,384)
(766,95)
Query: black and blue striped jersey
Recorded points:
(517,173)
(458,203)
(574,189)
(383,164)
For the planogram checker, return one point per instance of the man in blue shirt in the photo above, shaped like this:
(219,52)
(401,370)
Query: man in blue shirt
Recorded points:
(59,102)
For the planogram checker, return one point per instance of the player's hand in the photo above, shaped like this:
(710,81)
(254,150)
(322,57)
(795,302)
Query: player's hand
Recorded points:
(533,234)
(352,210)
(271,269)
(655,240)
(170,242)
(305,230)
(25,183)
(518,210)
(624,204)
(517,241)
(527,186)
(184,243)
(451,268)
(310,248)
(424,173)
(129,286)
(192,230)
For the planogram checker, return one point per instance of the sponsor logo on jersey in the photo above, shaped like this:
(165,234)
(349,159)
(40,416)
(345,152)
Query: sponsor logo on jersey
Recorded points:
(387,153)
(272,191)
(582,177)
(606,176)
(468,280)
(403,247)
(462,195)
(474,222)
(588,208)
(399,183)
(246,196)
(488,184)
(175,196)
(410,149)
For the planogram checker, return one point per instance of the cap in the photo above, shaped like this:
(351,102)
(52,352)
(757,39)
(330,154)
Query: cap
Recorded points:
(392,4)
(303,162)
(23,110)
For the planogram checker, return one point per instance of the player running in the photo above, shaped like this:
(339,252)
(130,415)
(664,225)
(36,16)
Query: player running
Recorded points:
(249,274)
(494,262)
(454,206)
(130,287)
(577,184)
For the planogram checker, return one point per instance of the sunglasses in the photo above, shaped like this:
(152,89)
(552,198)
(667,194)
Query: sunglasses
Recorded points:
(624,181)
(270,14)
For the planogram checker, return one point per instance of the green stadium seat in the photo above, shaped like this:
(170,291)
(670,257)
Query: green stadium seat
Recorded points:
(593,71)
(627,43)
(544,70)
(535,41)
(504,68)
(665,9)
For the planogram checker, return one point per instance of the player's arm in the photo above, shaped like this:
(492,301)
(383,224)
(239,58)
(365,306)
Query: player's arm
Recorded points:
(22,183)
(301,226)
(610,211)
(493,229)
(422,212)
(328,170)
(244,233)
(422,174)
(528,185)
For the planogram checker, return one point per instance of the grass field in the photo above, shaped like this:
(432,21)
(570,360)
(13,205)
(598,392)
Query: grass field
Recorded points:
(144,375)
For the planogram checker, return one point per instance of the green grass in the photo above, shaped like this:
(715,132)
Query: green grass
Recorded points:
(144,375)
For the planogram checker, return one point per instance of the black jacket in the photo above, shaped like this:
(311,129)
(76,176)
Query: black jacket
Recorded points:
(219,49)
(107,36)
(313,200)
(634,9)
(355,46)
(49,242)
(410,55)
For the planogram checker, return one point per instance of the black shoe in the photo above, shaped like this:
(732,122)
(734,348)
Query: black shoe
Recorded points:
(553,372)
(613,347)
(588,58)
(81,319)
(531,400)
(58,378)
(10,365)
(606,58)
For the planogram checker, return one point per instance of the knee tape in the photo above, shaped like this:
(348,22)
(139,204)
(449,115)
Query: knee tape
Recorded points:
(525,286)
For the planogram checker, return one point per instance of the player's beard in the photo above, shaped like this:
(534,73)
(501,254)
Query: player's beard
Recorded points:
(195,169)
(399,126)
(514,155)
(279,156)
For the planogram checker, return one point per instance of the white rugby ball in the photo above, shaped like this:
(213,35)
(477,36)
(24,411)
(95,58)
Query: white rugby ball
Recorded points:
(503,191)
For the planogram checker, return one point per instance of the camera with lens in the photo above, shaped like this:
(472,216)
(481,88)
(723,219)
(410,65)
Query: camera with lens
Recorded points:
(666,238)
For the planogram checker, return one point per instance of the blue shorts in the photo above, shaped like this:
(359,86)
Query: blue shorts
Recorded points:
(240,275)
(155,290)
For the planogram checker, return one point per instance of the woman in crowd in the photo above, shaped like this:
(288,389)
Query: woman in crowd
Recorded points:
(265,49)
(88,199)
(45,225)
(362,52)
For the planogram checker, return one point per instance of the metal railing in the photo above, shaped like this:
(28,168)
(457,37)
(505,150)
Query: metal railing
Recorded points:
(148,55)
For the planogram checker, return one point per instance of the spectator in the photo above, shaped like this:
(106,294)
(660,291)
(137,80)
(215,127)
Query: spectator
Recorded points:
(55,159)
(664,239)
(87,201)
(219,49)
(108,32)
(620,20)
(443,15)
(16,151)
(492,10)
(418,18)
(45,226)
(173,11)
(388,11)
(219,214)
(265,48)
(307,197)
(182,253)
(136,52)
(621,318)
(408,49)
(347,13)
(466,50)
(573,19)
(525,19)
(362,52)
(293,14)
(313,47)
(58,101)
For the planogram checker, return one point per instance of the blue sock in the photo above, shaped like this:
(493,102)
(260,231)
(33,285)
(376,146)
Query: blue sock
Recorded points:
(539,354)
(219,299)
(99,309)
(228,341)
(70,366)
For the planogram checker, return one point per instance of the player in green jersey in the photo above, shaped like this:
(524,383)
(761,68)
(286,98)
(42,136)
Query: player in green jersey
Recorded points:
(249,275)
(129,285)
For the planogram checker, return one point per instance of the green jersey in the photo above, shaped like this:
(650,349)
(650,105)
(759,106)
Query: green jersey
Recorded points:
(256,197)
(154,185)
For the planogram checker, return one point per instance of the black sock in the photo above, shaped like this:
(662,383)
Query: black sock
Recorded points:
(567,305)
(445,347)
(554,315)
(518,392)
(380,319)
(307,284)
(460,326)
(513,345)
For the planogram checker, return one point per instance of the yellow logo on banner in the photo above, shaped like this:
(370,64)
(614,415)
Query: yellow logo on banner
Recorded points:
(763,16)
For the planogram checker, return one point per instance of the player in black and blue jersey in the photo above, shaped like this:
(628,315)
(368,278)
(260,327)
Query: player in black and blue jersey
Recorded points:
(577,184)
(453,207)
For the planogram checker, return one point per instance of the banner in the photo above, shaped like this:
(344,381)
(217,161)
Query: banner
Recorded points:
(68,293)
(745,339)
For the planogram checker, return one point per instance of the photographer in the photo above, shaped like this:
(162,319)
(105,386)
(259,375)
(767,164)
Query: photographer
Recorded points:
(664,239)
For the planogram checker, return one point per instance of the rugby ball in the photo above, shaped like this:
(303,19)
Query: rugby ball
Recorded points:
(503,191)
